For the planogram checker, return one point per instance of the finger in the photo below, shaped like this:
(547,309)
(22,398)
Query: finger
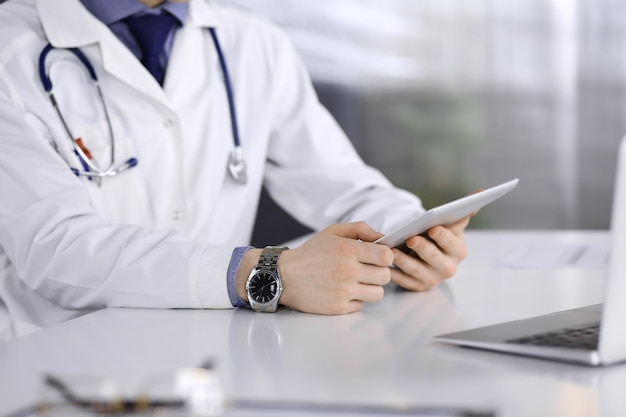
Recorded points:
(476,191)
(431,254)
(412,273)
(458,227)
(374,275)
(352,306)
(461,225)
(374,254)
(348,307)
(346,251)
(449,242)
(369,293)
(408,282)
(357,230)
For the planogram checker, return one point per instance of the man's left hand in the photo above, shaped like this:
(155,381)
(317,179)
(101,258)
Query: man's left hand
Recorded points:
(433,258)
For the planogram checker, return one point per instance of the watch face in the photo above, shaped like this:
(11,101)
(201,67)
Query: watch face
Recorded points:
(263,287)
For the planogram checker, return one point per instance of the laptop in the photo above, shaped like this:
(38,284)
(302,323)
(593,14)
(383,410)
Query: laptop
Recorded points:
(593,335)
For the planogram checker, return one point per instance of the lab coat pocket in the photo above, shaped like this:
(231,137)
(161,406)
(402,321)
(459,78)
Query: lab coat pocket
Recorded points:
(122,198)
(104,143)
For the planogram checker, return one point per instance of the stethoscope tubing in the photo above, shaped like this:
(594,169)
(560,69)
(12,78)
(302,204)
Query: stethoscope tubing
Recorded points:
(90,169)
(236,163)
(229,88)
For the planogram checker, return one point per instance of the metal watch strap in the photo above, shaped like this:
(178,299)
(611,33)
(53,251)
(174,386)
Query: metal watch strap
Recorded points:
(269,261)
(269,257)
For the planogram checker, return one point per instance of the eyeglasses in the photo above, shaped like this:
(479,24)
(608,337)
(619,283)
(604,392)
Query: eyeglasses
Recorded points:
(194,392)
(197,392)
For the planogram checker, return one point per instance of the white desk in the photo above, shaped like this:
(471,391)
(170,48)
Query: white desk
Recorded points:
(382,355)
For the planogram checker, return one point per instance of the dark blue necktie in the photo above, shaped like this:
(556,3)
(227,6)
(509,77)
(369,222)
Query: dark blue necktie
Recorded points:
(150,31)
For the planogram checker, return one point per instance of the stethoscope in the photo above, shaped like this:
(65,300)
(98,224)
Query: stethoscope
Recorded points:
(90,169)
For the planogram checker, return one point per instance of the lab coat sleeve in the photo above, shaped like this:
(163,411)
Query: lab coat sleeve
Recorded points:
(60,248)
(313,170)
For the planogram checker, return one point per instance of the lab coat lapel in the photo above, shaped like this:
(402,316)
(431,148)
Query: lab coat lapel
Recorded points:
(189,44)
(121,63)
(194,66)
(68,24)
(194,70)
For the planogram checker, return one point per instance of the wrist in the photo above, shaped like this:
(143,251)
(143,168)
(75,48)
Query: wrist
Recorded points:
(249,261)
(283,268)
(264,286)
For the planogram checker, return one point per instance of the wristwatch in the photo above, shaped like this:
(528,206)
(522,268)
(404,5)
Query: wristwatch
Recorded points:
(264,286)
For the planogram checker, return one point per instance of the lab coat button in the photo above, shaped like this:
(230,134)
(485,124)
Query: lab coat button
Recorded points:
(177,215)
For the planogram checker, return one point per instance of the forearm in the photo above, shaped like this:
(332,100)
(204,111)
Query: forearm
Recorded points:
(62,243)
(79,262)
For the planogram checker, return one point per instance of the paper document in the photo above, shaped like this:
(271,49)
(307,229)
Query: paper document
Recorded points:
(557,255)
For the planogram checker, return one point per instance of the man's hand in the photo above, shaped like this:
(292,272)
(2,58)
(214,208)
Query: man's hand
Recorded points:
(334,272)
(433,260)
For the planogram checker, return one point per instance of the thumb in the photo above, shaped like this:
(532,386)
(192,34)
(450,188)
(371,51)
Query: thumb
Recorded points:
(476,191)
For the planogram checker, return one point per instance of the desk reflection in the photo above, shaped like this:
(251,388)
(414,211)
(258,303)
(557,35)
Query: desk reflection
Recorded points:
(379,339)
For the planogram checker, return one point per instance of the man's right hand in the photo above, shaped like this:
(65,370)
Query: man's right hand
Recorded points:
(334,272)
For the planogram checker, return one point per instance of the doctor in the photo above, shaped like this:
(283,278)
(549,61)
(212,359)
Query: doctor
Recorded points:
(122,186)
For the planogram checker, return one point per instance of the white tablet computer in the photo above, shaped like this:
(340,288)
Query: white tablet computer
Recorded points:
(446,214)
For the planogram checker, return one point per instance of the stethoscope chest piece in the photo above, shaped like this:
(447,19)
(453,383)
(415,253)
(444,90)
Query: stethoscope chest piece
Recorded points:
(237,166)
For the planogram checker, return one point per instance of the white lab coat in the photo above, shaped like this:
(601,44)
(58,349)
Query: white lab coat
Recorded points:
(161,234)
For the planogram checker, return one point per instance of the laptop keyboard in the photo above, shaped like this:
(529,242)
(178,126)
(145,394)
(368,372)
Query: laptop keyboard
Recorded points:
(576,338)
